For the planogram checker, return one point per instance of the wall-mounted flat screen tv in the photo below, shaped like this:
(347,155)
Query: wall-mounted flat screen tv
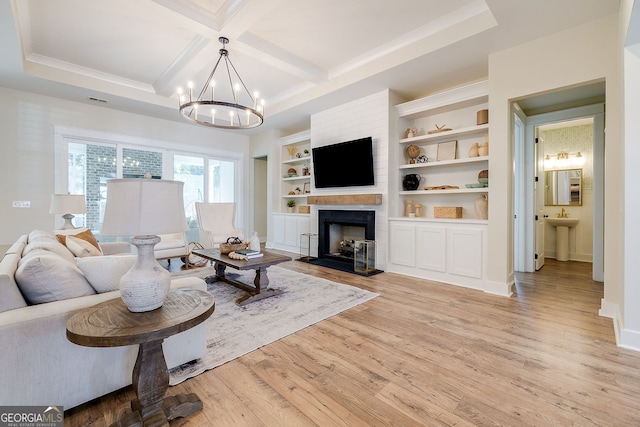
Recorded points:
(346,164)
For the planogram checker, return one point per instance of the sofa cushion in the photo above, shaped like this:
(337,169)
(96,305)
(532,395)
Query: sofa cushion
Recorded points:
(43,276)
(49,244)
(104,273)
(76,241)
(41,234)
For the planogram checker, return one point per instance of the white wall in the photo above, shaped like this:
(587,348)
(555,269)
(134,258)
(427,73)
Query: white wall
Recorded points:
(368,116)
(586,53)
(265,144)
(629,317)
(27,150)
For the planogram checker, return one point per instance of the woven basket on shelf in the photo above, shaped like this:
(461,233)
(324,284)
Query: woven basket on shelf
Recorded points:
(447,211)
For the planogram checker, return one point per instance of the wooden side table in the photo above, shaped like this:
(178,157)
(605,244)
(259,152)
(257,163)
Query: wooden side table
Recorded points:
(111,324)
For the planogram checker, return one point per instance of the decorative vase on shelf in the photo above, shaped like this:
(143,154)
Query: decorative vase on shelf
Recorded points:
(483,150)
(411,182)
(473,151)
(482,207)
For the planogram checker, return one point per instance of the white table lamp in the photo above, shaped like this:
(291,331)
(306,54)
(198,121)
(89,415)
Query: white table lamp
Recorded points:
(67,204)
(143,208)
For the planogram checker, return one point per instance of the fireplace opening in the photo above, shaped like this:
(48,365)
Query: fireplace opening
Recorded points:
(338,230)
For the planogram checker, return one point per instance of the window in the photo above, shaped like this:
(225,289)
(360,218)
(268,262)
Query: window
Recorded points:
(85,163)
(89,168)
(190,170)
(221,181)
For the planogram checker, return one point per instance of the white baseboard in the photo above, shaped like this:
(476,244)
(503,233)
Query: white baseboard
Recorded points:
(497,288)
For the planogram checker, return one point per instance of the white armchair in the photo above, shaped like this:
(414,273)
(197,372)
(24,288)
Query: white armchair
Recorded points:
(217,223)
(172,245)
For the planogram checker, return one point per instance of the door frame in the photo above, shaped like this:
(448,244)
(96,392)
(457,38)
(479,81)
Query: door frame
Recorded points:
(527,237)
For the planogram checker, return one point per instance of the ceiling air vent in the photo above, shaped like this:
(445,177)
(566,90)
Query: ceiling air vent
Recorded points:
(94,99)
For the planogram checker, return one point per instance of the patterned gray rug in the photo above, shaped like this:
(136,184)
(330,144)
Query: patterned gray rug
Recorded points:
(233,331)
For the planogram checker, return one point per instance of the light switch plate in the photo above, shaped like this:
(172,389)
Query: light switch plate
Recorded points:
(21,204)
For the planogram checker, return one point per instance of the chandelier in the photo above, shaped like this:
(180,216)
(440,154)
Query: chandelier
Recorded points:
(207,111)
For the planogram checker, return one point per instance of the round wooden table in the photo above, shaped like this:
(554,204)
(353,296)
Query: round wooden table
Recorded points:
(111,324)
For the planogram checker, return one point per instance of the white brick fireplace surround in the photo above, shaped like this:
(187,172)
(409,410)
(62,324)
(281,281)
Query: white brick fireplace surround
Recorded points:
(369,116)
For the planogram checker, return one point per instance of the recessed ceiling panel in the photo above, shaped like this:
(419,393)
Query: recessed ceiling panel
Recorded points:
(329,33)
(136,40)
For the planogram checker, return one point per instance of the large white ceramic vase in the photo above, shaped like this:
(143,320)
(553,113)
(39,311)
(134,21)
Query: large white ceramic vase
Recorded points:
(145,286)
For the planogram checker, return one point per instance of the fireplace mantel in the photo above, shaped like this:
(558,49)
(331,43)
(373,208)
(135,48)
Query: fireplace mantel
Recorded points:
(346,199)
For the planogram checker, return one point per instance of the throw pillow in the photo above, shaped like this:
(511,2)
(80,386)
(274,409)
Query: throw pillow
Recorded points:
(82,234)
(104,273)
(81,248)
(44,277)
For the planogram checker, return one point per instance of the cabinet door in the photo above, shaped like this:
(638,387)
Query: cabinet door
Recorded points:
(402,250)
(464,252)
(291,231)
(278,229)
(431,248)
(303,226)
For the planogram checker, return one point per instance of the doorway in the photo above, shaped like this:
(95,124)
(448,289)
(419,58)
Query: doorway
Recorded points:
(539,115)
(259,213)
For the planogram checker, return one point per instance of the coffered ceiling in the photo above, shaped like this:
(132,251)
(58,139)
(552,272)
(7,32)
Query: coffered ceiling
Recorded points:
(301,55)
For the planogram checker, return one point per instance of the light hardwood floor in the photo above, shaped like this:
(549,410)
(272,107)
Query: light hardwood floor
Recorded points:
(425,353)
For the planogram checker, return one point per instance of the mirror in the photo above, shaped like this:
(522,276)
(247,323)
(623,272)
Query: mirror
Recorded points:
(563,187)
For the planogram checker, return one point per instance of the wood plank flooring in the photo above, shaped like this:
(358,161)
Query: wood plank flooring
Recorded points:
(425,353)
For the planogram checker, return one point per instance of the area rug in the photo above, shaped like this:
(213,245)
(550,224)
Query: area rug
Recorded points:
(233,331)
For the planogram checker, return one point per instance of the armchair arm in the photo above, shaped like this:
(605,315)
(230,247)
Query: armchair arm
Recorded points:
(112,248)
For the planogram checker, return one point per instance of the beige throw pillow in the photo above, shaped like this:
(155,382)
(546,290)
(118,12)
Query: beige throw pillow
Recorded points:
(75,242)
(81,248)
(104,273)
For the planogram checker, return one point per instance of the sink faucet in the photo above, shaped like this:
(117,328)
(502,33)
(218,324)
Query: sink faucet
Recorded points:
(563,214)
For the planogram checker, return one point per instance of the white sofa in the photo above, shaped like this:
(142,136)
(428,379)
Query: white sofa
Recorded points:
(39,365)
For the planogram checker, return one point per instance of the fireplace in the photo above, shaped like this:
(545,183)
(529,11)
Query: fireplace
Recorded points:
(337,230)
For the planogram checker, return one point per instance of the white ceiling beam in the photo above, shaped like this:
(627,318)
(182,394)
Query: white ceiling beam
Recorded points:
(459,16)
(269,54)
(191,57)
(190,15)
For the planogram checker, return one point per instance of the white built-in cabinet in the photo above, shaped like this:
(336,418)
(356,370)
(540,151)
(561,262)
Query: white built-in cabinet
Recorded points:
(446,250)
(295,160)
(287,229)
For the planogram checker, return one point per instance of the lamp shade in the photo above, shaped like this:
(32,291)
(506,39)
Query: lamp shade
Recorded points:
(141,206)
(67,204)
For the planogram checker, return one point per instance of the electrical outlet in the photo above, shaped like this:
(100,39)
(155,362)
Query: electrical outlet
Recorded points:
(21,204)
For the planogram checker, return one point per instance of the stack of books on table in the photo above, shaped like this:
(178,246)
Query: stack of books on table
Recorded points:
(250,254)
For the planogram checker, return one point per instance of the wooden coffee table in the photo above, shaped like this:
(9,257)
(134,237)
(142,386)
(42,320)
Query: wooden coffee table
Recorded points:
(261,282)
(111,324)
